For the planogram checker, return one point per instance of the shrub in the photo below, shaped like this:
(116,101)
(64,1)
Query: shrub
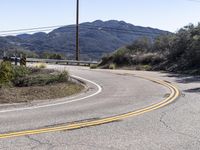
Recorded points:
(94,66)
(146,67)
(137,67)
(20,71)
(105,60)
(120,52)
(41,79)
(149,58)
(145,58)
(6,73)
(41,65)
(112,66)
(121,57)
(48,55)
(63,76)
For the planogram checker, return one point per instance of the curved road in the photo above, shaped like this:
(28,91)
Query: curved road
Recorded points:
(109,93)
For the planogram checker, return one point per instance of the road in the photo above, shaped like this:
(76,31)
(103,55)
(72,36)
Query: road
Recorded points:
(109,94)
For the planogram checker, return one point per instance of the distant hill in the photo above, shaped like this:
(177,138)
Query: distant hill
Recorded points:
(96,38)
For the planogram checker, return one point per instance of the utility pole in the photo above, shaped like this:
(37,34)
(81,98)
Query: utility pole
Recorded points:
(77,32)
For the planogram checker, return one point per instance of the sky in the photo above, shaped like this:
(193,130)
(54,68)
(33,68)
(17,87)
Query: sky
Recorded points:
(168,15)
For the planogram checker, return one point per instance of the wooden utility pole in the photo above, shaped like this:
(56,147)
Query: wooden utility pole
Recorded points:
(77,32)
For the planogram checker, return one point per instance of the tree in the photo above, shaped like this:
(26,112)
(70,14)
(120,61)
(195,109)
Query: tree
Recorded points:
(140,45)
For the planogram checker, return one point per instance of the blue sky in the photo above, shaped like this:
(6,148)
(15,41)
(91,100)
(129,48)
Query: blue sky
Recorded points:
(163,14)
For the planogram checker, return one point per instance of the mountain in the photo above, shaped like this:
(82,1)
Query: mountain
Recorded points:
(96,38)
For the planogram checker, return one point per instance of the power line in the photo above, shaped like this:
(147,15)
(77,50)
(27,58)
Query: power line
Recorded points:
(92,27)
(19,33)
(30,29)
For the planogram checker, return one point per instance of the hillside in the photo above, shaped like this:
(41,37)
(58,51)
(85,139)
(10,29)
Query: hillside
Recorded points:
(178,53)
(96,39)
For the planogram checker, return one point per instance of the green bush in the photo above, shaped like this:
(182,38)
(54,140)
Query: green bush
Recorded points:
(63,76)
(23,77)
(41,79)
(6,73)
(146,67)
(112,66)
(48,55)
(148,58)
(94,66)
(21,71)
(120,52)
(105,60)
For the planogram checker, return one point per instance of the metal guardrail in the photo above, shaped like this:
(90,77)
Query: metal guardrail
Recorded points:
(56,61)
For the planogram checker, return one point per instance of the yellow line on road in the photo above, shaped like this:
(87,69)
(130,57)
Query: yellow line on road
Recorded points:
(172,97)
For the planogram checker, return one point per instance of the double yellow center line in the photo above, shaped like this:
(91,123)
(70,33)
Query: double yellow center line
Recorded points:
(172,97)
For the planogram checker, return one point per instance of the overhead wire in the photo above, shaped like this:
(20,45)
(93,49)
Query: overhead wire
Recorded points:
(92,27)
(82,26)
(20,33)
(29,29)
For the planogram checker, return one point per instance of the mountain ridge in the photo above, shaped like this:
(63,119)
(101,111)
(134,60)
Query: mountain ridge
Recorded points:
(96,38)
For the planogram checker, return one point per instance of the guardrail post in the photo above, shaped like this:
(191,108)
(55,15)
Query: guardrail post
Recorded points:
(16,60)
(23,61)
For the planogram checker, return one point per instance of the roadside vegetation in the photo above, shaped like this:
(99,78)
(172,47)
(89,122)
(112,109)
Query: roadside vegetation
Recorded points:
(51,55)
(41,65)
(17,51)
(23,84)
(178,53)
(93,66)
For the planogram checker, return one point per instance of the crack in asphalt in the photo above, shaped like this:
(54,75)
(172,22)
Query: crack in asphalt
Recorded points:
(96,146)
(39,143)
(173,130)
(163,122)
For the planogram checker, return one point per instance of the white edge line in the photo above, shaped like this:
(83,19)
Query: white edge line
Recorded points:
(61,103)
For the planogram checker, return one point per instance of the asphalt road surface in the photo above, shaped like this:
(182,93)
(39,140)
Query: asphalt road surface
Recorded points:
(49,125)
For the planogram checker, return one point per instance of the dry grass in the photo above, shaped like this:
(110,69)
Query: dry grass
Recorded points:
(41,65)
(93,66)
(112,66)
(28,94)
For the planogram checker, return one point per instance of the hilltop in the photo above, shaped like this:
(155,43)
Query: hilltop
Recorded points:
(96,39)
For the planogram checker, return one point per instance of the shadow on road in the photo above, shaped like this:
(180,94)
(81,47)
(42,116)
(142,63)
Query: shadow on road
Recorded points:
(184,78)
(194,90)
